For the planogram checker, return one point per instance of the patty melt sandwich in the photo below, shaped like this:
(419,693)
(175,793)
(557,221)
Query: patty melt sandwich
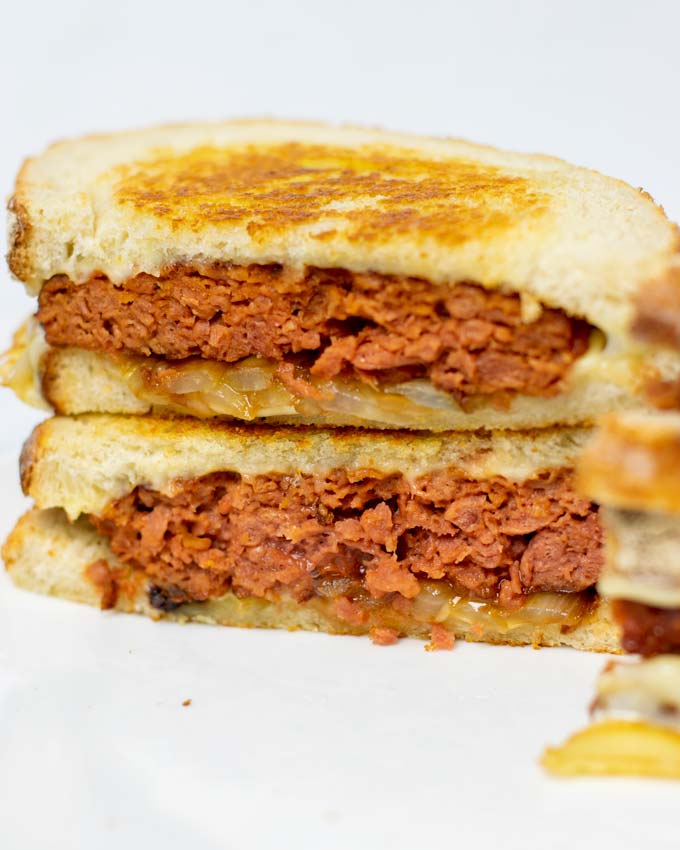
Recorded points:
(459,535)
(300,273)
(632,469)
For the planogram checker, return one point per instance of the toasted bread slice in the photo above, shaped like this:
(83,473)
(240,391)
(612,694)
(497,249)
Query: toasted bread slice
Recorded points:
(302,194)
(633,461)
(47,554)
(57,466)
(642,557)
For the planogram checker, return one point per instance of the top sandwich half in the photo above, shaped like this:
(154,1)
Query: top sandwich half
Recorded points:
(304,273)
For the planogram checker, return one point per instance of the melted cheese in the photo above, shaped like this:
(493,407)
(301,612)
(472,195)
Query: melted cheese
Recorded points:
(643,557)
(20,366)
(437,603)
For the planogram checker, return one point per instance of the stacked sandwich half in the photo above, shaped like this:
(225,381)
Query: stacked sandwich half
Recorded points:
(324,378)
(632,468)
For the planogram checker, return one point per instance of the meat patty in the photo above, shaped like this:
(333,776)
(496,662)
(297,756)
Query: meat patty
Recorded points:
(359,535)
(645,629)
(465,339)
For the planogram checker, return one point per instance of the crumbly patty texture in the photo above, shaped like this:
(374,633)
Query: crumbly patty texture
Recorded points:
(357,536)
(45,553)
(468,341)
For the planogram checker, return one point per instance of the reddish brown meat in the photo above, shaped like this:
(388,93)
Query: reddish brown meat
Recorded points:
(647,630)
(467,340)
(357,536)
(383,635)
(441,638)
(103,578)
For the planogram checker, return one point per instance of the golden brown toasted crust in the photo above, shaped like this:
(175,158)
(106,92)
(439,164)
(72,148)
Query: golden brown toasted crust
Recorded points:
(46,554)
(50,379)
(18,257)
(633,462)
(304,194)
(30,452)
(268,187)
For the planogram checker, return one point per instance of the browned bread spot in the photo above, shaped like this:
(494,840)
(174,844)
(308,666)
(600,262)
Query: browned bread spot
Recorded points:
(270,187)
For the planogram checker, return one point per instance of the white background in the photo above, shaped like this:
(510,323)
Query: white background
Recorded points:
(303,740)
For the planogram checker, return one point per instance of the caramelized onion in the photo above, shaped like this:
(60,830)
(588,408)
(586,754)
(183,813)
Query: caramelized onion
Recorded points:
(250,389)
(539,609)
(245,390)
(363,402)
(425,394)
(437,603)
(333,587)
(433,603)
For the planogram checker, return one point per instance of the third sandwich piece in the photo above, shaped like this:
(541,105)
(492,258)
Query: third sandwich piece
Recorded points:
(632,469)
(471,535)
(301,273)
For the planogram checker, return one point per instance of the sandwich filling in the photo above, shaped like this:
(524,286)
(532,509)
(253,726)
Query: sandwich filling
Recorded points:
(646,629)
(325,323)
(360,539)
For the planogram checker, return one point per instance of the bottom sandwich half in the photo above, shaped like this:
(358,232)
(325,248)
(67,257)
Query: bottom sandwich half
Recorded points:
(479,536)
